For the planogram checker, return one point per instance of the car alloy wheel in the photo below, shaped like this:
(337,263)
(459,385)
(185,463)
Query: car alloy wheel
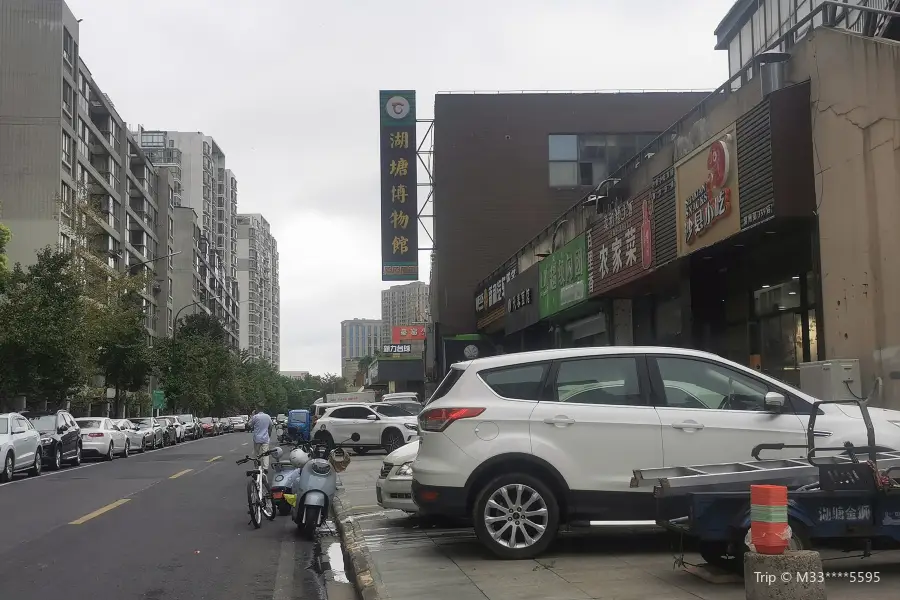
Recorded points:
(516,516)
(57,459)
(8,468)
(38,464)
(77,460)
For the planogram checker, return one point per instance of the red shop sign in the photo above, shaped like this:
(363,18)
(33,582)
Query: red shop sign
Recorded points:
(620,244)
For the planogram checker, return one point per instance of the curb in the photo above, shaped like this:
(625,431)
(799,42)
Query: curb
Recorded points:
(364,574)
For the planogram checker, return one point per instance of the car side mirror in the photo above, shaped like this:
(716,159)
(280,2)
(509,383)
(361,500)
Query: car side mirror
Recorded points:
(61,429)
(17,430)
(371,418)
(355,436)
(774,401)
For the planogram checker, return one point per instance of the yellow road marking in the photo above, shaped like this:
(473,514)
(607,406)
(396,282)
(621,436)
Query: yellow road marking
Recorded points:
(99,512)
(214,459)
(180,473)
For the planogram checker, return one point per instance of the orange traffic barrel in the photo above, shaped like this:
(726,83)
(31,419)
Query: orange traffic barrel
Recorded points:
(769,530)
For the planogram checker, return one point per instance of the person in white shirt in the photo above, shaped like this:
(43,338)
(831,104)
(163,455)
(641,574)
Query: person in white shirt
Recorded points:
(261,427)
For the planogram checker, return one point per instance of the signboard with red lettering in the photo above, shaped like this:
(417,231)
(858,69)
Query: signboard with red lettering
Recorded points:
(407,333)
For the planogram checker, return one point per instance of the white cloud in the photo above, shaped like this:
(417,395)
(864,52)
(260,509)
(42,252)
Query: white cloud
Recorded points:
(289,87)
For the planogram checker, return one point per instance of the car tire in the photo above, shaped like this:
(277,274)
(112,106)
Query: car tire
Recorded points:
(391,440)
(526,491)
(56,461)
(76,462)
(9,462)
(35,469)
(109,453)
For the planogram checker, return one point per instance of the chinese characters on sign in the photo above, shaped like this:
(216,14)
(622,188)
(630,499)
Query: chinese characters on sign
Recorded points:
(758,216)
(492,296)
(862,512)
(621,243)
(407,333)
(399,202)
(563,277)
(707,194)
(520,300)
(396,349)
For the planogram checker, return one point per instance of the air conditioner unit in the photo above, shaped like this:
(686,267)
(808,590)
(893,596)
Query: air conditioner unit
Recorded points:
(836,379)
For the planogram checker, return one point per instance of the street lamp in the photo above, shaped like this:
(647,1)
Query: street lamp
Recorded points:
(175,334)
(151,260)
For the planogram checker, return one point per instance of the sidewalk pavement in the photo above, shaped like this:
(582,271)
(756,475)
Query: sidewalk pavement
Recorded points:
(394,559)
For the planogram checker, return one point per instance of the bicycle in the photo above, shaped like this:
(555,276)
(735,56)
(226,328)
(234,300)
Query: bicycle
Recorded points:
(259,500)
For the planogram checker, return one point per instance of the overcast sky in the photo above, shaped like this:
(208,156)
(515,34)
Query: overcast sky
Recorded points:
(289,90)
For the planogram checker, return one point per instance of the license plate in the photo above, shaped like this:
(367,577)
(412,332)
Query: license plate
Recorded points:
(378,494)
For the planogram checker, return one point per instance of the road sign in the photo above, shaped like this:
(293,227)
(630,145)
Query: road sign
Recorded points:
(159,399)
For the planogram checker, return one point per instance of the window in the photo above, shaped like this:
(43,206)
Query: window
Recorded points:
(521,382)
(392,411)
(67,150)
(351,412)
(67,97)
(68,47)
(773,23)
(589,159)
(605,380)
(691,383)
(759,29)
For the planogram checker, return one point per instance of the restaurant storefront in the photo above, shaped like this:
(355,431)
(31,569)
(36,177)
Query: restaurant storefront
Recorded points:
(523,314)
(745,202)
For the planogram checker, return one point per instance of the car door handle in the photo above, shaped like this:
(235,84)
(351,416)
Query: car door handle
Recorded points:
(559,421)
(688,425)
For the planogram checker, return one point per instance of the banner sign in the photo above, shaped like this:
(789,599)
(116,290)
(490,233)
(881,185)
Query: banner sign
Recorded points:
(396,349)
(522,305)
(489,305)
(620,244)
(407,333)
(563,277)
(706,184)
(399,201)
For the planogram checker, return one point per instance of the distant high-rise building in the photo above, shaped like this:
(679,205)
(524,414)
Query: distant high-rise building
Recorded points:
(403,305)
(359,338)
(210,190)
(295,375)
(257,275)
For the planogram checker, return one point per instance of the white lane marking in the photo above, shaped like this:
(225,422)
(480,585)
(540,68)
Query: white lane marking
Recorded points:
(89,465)
(284,574)
(245,443)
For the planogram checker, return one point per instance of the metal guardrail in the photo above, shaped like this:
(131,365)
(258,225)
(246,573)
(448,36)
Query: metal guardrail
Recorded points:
(837,12)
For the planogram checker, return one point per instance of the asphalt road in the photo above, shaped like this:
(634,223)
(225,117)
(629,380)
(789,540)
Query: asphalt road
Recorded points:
(171,524)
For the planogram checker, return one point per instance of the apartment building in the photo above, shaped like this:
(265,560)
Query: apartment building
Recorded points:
(359,338)
(71,147)
(295,375)
(257,276)
(203,185)
(403,305)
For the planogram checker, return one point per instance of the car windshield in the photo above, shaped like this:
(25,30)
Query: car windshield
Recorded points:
(186,418)
(143,424)
(163,420)
(4,425)
(44,423)
(391,411)
(236,420)
(413,408)
(206,420)
(89,423)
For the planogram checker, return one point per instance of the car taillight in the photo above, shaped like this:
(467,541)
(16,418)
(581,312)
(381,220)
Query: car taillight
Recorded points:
(438,419)
(95,435)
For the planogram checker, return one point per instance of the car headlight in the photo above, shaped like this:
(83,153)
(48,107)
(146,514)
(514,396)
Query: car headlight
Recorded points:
(410,426)
(405,470)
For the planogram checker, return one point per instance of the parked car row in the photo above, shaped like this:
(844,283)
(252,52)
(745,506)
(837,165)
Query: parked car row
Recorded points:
(32,441)
(523,443)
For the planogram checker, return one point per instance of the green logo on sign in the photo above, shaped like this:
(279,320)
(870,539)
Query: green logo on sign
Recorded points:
(564,277)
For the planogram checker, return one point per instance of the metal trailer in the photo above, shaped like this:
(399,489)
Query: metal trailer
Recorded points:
(835,499)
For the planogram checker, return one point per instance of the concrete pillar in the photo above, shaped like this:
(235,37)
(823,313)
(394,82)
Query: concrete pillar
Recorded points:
(788,576)
(18,403)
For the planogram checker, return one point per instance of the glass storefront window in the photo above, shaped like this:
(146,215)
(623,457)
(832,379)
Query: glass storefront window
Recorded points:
(813,337)
(778,297)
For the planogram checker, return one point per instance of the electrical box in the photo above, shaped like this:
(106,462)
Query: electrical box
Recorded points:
(836,379)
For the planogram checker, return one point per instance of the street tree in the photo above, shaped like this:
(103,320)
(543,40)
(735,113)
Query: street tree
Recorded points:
(123,354)
(41,332)
(5,236)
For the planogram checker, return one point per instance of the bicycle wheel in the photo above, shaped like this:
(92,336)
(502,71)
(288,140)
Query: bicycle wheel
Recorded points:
(267,505)
(253,504)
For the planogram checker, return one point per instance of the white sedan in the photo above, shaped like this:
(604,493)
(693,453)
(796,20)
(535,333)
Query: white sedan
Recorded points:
(393,488)
(101,437)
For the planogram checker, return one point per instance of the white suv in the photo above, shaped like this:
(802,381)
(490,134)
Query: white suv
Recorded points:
(379,425)
(524,442)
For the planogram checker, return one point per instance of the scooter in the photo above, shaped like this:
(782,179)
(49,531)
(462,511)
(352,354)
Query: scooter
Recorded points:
(313,490)
(283,482)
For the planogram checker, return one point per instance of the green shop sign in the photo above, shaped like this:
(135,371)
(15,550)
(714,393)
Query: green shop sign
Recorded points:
(564,277)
